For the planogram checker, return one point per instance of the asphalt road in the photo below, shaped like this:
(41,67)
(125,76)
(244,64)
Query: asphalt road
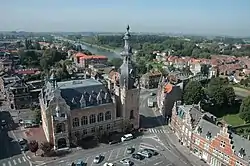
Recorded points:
(115,153)
(153,122)
(10,153)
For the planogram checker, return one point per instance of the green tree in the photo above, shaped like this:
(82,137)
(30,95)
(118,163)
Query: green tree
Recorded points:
(229,95)
(37,116)
(117,62)
(245,109)
(46,147)
(193,93)
(33,146)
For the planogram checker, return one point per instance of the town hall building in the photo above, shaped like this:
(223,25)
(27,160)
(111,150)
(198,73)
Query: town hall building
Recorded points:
(72,110)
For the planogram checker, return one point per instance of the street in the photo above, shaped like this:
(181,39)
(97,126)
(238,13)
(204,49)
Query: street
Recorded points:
(10,153)
(115,153)
(156,128)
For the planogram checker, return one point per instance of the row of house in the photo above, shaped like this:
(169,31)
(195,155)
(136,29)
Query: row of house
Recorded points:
(209,139)
(20,94)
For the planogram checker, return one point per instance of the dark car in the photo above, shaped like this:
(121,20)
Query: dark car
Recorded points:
(130,150)
(114,142)
(153,152)
(138,156)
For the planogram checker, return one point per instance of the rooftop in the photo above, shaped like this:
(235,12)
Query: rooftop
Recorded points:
(78,83)
(81,93)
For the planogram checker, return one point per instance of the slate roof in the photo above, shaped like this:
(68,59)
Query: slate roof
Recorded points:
(238,142)
(81,93)
(195,112)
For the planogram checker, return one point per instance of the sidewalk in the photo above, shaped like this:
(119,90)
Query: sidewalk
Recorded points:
(182,149)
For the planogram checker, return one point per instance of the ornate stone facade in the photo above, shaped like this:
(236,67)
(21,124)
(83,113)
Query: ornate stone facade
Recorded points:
(75,109)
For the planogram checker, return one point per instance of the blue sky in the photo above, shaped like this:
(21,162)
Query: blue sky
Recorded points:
(215,17)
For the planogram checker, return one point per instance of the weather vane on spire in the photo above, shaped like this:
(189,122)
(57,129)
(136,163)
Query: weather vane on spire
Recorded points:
(128,28)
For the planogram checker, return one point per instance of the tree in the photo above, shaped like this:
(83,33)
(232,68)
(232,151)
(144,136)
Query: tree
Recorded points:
(216,91)
(245,109)
(46,147)
(193,92)
(117,62)
(229,95)
(38,116)
(220,93)
(33,146)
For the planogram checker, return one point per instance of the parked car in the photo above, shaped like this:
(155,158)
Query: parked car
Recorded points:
(80,163)
(23,144)
(108,164)
(114,142)
(3,123)
(127,137)
(126,162)
(138,156)
(130,150)
(152,151)
(97,159)
(145,153)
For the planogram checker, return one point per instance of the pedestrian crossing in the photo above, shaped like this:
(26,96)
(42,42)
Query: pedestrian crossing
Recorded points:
(153,130)
(13,161)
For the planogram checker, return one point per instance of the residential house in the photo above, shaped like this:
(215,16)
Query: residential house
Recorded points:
(150,79)
(83,61)
(207,138)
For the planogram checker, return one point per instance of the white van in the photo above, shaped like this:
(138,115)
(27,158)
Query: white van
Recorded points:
(127,137)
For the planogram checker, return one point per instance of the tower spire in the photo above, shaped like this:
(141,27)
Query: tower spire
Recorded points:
(127,50)
(127,70)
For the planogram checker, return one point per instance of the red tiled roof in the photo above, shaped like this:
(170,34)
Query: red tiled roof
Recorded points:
(84,56)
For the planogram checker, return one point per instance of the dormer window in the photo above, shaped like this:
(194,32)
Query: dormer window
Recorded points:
(208,135)
(241,153)
(99,98)
(83,102)
(199,130)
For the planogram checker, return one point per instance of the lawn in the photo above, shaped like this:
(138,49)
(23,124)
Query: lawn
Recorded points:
(233,119)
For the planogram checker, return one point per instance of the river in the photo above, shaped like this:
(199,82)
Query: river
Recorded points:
(99,51)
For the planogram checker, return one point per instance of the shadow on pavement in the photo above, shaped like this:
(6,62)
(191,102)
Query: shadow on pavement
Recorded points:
(9,147)
(151,122)
(11,124)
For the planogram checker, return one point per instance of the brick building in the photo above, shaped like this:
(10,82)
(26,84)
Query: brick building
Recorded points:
(207,138)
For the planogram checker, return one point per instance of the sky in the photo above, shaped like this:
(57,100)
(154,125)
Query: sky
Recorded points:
(201,17)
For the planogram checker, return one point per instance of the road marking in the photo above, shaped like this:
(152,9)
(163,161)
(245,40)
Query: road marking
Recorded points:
(143,145)
(19,160)
(118,152)
(158,163)
(110,154)
(9,163)
(87,160)
(61,161)
(14,161)
(28,157)
(4,164)
(24,159)
(92,163)
(125,151)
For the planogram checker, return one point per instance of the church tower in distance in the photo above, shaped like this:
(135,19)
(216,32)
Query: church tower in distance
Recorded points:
(129,93)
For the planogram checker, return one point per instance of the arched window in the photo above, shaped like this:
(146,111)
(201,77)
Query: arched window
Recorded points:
(131,115)
(100,117)
(92,119)
(84,120)
(108,115)
(60,127)
(75,122)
